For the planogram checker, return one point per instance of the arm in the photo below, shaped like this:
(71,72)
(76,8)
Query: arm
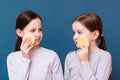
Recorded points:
(57,72)
(66,72)
(18,69)
(103,70)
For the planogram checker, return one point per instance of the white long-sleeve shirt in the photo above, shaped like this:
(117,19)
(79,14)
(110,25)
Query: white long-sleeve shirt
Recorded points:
(98,68)
(43,65)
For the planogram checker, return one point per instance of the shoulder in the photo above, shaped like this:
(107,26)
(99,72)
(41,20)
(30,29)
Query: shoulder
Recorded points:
(105,58)
(71,55)
(105,53)
(13,55)
(48,52)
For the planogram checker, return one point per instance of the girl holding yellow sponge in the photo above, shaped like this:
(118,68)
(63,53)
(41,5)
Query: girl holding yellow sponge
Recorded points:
(91,61)
(31,61)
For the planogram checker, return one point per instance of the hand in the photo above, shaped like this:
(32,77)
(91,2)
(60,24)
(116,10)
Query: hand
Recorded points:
(26,47)
(83,54)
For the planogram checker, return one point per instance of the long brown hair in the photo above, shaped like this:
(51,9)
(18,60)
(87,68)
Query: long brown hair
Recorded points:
(22,21)
(93,22)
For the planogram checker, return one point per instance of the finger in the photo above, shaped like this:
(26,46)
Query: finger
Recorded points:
(24,44)
(30,47)
(79,51)
(82,47)
(27,43)
(24,41)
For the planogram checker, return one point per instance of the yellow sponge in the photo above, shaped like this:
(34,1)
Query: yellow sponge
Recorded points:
(83,41)
(29,36)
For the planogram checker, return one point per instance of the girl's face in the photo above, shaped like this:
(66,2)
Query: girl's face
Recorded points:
(80,31)
(35,28)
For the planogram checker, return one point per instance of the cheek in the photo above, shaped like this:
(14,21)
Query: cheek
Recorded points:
(73,37)
(90,36)
(74,40)
(41,36)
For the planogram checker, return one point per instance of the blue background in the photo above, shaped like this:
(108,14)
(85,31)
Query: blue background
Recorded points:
(57,17)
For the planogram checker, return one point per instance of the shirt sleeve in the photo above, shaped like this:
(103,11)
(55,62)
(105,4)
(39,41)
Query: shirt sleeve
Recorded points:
(18,69)
(57,72)
(103,70)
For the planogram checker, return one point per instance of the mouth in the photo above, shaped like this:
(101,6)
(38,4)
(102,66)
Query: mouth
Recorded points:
(76,42)
(37,40)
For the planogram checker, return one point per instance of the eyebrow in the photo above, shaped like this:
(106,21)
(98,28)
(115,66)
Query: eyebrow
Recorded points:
(79,30)
(35,28)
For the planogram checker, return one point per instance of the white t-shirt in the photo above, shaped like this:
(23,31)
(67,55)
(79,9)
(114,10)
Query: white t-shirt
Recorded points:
(99,66)
(43,65)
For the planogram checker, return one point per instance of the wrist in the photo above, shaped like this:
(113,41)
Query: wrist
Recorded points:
(26,55)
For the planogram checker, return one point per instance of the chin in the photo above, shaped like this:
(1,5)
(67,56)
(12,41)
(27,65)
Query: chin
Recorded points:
(77,46)
(37,43)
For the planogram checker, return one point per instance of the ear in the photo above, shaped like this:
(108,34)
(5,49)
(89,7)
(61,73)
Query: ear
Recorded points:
(19,32)
(95,35)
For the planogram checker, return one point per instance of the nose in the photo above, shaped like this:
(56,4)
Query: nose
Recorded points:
(37,34)
(75,36)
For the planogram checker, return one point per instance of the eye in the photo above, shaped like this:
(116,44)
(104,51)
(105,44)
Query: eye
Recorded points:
(40,29)
(32,30)
(79,32)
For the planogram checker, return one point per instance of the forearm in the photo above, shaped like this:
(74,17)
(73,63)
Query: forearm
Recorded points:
(87,72)
(19,75)
(102,73)
(19,71)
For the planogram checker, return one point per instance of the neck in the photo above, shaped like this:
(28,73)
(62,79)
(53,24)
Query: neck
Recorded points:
(35,47)
(93,47)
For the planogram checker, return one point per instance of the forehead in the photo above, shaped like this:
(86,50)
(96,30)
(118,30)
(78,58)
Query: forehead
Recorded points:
(35,23)
(78,26)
